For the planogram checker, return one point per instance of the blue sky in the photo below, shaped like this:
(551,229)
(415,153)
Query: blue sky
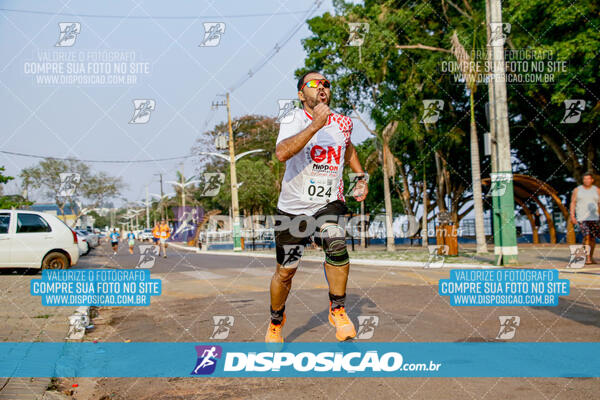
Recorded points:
(92,121)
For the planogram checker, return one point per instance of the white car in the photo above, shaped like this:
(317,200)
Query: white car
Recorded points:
(30,239)
(146,234)
(92,239)
(82,244)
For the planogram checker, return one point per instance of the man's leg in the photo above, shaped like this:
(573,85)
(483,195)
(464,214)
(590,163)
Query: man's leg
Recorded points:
(288,251)
(587,241)
(281,283)
(331,237)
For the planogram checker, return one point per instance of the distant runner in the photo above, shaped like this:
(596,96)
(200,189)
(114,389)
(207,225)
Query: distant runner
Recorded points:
(114,241)
(156,233)
(165,233)
(131,241)
(315,145)
(585,203)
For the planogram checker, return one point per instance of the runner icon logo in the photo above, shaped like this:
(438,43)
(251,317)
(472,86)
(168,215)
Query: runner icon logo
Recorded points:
(212,34)
(366,326)
(148,254)
(579,253)
(292,255)
(68,33)
(354,178)
(207,359)
(211,183)
(437,255)
(573,110)
(223,324)
(500,183)
(358,31)
(431,111)
(68,183)
(142,110)
(286,111)
(508,326)
(499,31)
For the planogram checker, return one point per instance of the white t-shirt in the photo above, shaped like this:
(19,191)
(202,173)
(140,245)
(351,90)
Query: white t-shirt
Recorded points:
(313,176)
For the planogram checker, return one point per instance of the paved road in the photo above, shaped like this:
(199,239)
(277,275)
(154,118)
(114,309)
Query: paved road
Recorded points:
(197,287)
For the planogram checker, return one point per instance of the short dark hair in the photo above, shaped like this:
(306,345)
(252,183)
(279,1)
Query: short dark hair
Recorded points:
(301,79)
(588,173)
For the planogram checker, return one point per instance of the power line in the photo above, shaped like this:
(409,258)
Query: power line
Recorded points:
(96,161)
(149,16)
(278,46)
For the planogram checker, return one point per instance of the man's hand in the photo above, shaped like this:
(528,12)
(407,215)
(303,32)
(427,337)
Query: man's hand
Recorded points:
(320,115)
(360,190)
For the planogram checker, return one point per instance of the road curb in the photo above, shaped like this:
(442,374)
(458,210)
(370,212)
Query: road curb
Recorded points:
(357,261)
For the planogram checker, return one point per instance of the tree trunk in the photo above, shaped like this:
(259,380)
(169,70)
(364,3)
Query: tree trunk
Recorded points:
(390,246)
(476,175)
(424,229)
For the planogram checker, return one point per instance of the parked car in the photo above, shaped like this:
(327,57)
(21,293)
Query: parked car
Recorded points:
(30,239)
(82,243)
(146,234)
(92,239)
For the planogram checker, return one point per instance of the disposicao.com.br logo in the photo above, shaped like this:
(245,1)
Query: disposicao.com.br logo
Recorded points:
(307,362)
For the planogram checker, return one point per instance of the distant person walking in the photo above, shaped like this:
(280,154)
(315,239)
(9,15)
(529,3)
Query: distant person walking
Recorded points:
(585,203)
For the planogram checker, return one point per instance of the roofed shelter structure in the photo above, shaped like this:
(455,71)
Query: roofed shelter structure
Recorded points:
(528,188)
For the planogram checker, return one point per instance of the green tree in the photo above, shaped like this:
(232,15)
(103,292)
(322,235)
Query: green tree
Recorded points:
(93,188)
(261,172)
(10,201)
(553,151)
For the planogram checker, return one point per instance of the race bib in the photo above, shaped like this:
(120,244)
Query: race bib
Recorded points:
(318,189)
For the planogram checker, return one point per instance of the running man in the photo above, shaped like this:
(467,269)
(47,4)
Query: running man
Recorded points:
(315,145)
(207,357)
(585,203)
(114,241)
(131,241)
(156,233)
(165,233)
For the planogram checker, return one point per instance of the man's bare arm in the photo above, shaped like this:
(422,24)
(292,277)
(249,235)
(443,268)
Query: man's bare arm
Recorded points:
(289,147)
(361,189)
(352,160)
(572,207)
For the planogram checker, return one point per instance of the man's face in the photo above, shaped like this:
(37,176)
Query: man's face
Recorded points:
(588,180)
(313,96)
(162,222)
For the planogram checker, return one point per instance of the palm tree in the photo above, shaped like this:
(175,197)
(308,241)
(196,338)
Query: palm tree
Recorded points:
(470,75)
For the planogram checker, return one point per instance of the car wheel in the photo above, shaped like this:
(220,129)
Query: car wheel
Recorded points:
(55,260)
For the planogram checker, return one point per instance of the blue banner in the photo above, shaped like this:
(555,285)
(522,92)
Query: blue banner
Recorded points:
(96,287)
(344,359)
(504,287)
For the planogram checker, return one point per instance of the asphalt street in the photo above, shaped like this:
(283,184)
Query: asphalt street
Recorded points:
(197,288)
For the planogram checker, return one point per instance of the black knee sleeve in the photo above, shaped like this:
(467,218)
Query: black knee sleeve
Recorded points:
(332,238)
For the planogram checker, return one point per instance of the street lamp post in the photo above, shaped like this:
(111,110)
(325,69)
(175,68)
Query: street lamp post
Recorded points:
(231,159)
(161,197)
(182,186)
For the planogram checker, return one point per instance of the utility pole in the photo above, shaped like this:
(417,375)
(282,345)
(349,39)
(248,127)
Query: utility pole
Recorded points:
(162,213)
(237,242)
(147,209)
(505,236)
(182,187)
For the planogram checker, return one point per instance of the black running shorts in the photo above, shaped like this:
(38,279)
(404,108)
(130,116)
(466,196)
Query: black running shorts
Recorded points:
(283,237)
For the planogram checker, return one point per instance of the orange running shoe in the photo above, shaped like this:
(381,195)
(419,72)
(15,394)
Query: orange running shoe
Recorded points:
(344,328)
(274,332)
